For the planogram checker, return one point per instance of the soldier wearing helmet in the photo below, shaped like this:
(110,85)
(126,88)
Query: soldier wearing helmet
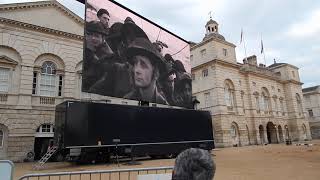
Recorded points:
(147,65)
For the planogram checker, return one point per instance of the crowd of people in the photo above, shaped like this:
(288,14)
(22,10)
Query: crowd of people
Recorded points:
(121,61)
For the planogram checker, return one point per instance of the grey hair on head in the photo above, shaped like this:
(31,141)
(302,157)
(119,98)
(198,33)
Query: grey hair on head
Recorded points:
(194,164)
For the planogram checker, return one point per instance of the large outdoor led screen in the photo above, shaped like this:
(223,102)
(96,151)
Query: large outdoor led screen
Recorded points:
(128,56)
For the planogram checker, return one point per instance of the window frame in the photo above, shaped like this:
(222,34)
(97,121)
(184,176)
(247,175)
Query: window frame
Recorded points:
(205,72)
(225,52)
(1,138)
(9,79)
(203,52)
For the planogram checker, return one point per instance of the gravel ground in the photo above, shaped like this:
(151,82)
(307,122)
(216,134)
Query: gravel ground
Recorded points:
(270,162)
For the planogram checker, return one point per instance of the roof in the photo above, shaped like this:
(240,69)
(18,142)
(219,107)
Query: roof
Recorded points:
(211,22)
(276,64)
(37,4)
(313,88)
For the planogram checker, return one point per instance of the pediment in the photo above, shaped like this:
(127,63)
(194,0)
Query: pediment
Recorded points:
(8,61)
(49,14)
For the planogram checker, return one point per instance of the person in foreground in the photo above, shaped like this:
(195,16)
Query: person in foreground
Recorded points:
(194,164)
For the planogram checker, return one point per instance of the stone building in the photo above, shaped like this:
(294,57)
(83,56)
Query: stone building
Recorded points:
(249,103)
(40,66)
(41,51)
(311,96)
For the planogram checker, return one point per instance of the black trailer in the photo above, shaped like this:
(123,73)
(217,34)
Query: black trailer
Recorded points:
(96,131)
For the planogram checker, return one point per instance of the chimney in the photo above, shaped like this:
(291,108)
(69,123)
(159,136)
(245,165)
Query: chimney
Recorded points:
(252,60)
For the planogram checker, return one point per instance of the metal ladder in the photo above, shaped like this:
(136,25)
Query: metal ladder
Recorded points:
(45,157)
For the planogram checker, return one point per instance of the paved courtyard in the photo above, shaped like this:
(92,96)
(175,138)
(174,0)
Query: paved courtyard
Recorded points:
(271,162)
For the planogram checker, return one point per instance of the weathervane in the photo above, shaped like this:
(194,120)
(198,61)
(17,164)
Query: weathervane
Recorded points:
(210,14)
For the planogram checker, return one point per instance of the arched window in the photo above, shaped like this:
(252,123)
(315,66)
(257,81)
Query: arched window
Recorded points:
(1,138)
(229,94)
(48,79)
(299,103)
(265,102)
(45,128)
(50,83)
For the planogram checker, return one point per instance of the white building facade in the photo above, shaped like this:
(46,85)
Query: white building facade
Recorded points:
(311,96)
(249,103)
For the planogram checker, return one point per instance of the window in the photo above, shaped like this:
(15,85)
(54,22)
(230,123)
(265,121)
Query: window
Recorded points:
(254,84)
(205,73)
(257,104)
(193,76)
(207,99)
(4,79)
(1,138)
(229,95)
(191,58)
(225,52)
(293,75)
(275,105)
(45,128)
(264,102)
(34,83)
(203,52)
(50,83)
(279,90)
(299,103)
(282,106)
(310,112)
(48,79)
(60,86)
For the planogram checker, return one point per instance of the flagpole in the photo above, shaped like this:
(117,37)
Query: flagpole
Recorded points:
(244,44)
(264,55)
(245,49)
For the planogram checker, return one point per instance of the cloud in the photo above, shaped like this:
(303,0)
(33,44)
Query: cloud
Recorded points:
(308,27)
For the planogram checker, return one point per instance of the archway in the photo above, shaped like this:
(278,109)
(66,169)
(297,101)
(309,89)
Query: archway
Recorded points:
(271,133)
(43,137)
(261,133)
(280,134)
(235,135)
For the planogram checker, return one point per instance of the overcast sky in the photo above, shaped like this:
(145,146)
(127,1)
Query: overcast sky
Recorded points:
(289,28)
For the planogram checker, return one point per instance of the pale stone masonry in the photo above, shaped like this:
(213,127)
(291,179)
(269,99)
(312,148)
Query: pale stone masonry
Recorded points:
(34,37)
(311,96)
(41,51)
(249,103)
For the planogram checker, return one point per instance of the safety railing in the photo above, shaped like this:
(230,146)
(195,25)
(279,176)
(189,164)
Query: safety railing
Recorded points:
(117,174)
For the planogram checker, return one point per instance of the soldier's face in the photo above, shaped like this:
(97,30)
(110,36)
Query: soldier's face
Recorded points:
(104,19)
(143,71)
(94,39)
